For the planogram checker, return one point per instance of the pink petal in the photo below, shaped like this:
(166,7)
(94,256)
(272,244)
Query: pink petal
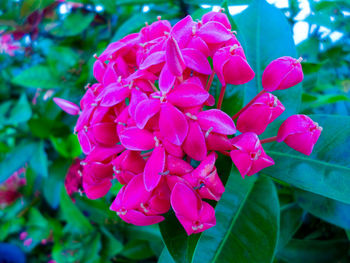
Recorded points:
(139,219)
(85,142)
(214,32)
(242,161)
(182,31)
(154,167)
(177,166)
(113,94)
(67,106)
(105,133)
(145,110)
(185,201)
(135,193)
(99,70)
(173,124)
(173,149)
(174,59)
(136,97)
(166,80)
(194,145)
(195,60)
(218,120)
(155,58)
(136,139)
(110,75)
(95,191)
(188,95)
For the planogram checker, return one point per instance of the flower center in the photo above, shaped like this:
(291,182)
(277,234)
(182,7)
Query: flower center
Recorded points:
(255,155)
(197,225)
(122,212)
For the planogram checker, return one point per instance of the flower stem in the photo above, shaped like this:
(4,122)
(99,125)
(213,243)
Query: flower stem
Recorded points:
(271,139)
(249,103)
(210,81)
(221,97)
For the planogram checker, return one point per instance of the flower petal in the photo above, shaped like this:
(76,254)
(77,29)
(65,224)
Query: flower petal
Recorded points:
(218,120)
(136,139)
(154,167)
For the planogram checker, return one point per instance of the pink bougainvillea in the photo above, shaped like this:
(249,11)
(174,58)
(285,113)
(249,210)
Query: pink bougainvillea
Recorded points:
(150,114)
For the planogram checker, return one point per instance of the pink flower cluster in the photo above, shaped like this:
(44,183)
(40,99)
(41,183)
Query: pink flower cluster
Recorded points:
(150,115)
(9,190)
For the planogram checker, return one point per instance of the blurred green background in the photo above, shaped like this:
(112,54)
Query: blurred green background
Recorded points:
(46,50)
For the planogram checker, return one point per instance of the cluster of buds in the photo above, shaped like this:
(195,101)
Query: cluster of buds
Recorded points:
(9,190)
(150,116)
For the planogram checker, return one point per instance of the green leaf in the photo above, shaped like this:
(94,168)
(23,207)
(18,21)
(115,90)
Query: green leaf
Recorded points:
(112,246)
(39,161)
(16,159)
(180,245)
(54,182)
(75,219)
(212,242)
(165,257)
(267,35)
(290,221)
(332,211)
(327,171)
(36,77)
(74,24)
(21,112)
(314,251)
(253,237)
(68,147)
(137,250)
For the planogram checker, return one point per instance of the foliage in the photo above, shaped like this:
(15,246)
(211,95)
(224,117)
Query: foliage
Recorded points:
(295,211)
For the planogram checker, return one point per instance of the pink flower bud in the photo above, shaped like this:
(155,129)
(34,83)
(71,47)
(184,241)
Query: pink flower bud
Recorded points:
(218,17)
(282,73)
(67,106)
(249,156)
(300,133)
(260,114)
(174,58)
(231,66)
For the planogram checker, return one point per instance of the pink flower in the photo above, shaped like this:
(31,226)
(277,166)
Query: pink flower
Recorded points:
(194,214)
(9,190)
(249,156)
(23,235)
(282,73)
(300,133)
(231,66)
(73,181)
(135,205)
(261,113)
(28,242)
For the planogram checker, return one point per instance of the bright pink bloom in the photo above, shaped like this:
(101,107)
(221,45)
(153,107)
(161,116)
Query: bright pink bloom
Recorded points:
(249,156)
(216,121)
(231,66)
(194,214)
(300,133)
(206,180)
(218,17)
(261,113)
(23,235)
(127,165)
(74,180)
(67,106)
(135,205)
(282,73)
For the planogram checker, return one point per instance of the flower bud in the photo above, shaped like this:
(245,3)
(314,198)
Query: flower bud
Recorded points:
(231,66)
(67,106)
(260,114)
(282,73)
(249,156)
(300,133)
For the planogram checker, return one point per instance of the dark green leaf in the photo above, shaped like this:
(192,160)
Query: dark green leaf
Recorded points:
(332,211)
(326,171)
(39,161)
(74,24)
(314,251)
(213,241)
